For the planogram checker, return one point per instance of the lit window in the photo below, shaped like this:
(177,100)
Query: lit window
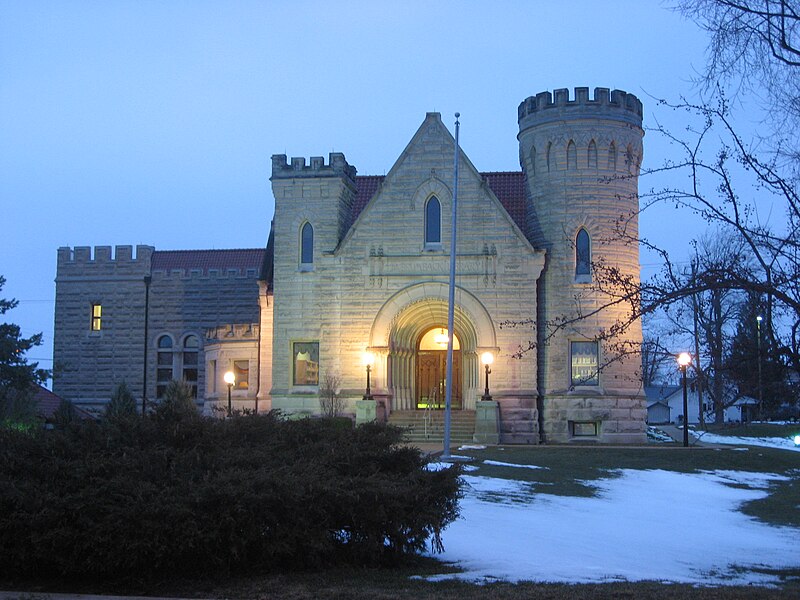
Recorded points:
(583,356)
(305,358)
(191,346)
(307,245)
(241,368)
(164,368)
(433,221)
(583,255)
(97,317)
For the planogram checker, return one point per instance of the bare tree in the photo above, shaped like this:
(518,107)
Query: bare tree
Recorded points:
(331,403)
(754,49)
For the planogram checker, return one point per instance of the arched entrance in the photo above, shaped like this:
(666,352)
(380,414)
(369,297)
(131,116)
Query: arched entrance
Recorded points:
(405,319)
(431,367)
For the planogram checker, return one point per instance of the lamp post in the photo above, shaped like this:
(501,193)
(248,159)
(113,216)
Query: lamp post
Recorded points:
(760,389)
(230,379)
(684,360)
(368,359)
(487,358)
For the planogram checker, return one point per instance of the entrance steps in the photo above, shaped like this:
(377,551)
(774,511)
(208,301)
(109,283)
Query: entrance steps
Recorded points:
(427,426)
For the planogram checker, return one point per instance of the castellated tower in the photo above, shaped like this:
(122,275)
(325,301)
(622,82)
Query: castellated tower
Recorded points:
(581,158)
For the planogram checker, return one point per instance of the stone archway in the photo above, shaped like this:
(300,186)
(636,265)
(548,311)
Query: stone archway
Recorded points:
(406,316)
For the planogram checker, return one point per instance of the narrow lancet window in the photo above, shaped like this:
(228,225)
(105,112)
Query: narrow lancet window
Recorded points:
(307,245)
(583,256)
(433,221)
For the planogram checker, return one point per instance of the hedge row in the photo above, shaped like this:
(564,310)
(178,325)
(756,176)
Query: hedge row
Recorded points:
(139,498)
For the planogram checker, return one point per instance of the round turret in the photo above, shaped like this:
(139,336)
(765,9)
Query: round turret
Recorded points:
(581,157)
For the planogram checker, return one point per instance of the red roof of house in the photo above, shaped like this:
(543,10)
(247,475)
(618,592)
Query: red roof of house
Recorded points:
(203,260)
(47,403)
(508,186)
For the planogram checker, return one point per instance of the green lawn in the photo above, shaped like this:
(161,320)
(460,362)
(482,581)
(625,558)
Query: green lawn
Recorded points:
(757,429)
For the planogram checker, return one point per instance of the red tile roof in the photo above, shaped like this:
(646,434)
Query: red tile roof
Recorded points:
(188,260)
(508,186)
(47,403)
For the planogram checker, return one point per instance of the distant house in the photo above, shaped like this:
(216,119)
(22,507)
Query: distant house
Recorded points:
(658,409)
(47,404)
(665,405)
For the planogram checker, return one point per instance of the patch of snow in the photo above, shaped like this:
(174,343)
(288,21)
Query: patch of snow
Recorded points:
(642,525)
(767,442)
(473,447)
(759,481)
(497,463)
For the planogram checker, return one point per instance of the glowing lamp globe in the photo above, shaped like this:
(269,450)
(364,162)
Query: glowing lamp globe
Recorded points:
(229,378)
(487,358)
(368,359)
(684,359)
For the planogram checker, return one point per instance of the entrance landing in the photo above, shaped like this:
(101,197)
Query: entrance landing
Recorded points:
(427,426)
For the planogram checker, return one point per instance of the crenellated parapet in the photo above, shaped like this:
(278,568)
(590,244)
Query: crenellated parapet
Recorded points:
(83,261)
(337,166)
(614,105)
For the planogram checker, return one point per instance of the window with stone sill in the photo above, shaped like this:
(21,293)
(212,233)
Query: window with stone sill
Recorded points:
(305,363)
(584,363)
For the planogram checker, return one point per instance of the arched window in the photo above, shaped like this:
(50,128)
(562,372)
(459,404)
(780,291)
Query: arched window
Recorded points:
(307,245)
(612,157)
(572,156)
(592,155)
(583,254)
(191,346)
(433,221)
(164,367)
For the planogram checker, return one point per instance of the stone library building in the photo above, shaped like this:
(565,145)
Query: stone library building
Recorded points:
(352,286)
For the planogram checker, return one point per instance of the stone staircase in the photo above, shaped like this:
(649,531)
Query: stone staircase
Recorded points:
(424,427)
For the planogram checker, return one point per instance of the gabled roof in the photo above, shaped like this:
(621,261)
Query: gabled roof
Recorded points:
(47,403)
(203,260)
(508,186)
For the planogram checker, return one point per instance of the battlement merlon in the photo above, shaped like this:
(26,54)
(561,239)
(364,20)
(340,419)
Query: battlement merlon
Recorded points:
(83,261)
(614,105)
(337,167)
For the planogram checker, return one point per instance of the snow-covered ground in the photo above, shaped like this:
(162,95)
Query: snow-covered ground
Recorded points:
(641,525)
(770,442)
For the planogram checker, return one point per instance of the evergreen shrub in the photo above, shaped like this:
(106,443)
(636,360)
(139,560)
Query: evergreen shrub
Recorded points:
(177,494)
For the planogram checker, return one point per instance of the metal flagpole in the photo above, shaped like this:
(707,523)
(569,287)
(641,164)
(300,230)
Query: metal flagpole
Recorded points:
(451,304)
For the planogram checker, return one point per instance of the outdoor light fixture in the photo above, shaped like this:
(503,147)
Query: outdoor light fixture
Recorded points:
(797,440)
(230,379)
(441,338)
(487,358)
(368,360)
(684,360)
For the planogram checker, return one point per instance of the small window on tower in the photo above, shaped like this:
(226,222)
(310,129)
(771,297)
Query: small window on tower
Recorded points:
(583,255)
(583,356)
(97,317)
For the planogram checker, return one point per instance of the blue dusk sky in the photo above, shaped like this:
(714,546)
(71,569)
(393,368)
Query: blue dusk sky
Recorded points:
(129,122)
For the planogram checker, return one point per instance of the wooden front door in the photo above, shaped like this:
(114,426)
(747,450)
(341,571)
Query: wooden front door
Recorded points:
(431,378)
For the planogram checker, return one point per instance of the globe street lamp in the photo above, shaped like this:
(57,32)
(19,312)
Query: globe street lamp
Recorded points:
(368,360)
(230,379)
(487,358)
(684,360)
